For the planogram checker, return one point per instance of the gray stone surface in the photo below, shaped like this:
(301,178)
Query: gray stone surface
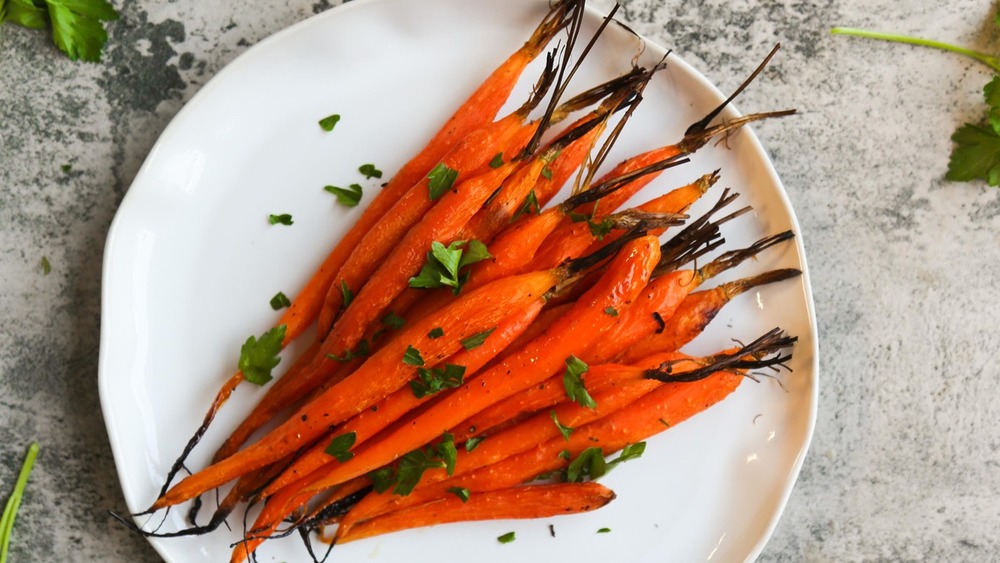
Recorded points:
(904,464)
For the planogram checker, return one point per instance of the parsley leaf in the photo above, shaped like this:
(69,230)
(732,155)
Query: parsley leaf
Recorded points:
(24,13)
(349,196)
(77,25)
(435,333)
(506,538)
(564,430)
(473,443)
(435,380)
(591,462)
(329,122)
(340,447)
(382,479)
(259,356)
(46,266)
(441,179)
(283,219)
(412,465)
(604,531)
(370,171)
(530,205)
(460,492)
(444,263)
(573,382)
(547,173)
(477,340)
(412,357)
(280,301)
(497,161)
(611,311)
(347,296)
(393,321)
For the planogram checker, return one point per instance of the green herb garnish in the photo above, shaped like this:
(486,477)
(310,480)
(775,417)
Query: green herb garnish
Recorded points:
(340,447)
(280,301)
(460,492)
(506,538)
(473,443)
(611,311)
(259,356)
(46,267)
(329,122)
(435,333)
(77,25)
(412,357)
(477,340)
(564,430)
(573,382)
(497,161)
(591,462)
(347,296)
(349,196)
(604,531)
(441,179)
(14,501)
(444,264)
(413,465)
(435,380)
(370,171)
(283,219)
(393,321)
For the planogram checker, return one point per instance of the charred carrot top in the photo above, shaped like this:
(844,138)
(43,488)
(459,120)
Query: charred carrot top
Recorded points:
(696,311)
(477,110)
(521,502)
(584,323)
(381,374)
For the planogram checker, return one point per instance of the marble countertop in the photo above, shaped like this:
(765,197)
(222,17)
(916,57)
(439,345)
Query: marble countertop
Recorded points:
(904,464)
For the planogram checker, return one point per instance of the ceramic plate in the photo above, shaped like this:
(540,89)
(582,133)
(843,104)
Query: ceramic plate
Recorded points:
(191,263)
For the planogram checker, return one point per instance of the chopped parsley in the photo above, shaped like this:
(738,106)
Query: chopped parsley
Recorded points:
(598,229)
(611,311)
(360,351)
(340,447)
(435,380)
(412,357)
(473,443)
(497,161)
(564,430)
(393,321)
(477,340)
(283,219)
(349,196)
(412,466)
(604,531)
(506,538)
(280,301)
(259,356)
(435,333)
(573,382)
(441,179)
(444,264)
(530,205)
(591,462)
(347,296)
(369,171)
(460,492)
(46,267)
(329,122)
(547,173)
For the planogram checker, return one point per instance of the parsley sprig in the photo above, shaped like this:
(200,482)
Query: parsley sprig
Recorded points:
(445,265)
(77,25)
(259,356)
(976,155)
(591,463)
(412,466)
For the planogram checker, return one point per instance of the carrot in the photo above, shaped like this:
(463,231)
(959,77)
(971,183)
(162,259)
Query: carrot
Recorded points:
(583,324)
(481,106)
(694,313)
(378,376)
(520,502)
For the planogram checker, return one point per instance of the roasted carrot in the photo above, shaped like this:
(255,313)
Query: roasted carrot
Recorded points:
(520,502)
(378,376)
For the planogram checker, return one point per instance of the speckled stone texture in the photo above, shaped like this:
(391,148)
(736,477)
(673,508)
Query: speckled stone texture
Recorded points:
(904,464)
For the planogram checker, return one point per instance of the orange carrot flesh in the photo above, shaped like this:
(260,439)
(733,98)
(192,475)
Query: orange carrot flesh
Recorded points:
(369,422)
(584,323)
(520,502)
(381,374)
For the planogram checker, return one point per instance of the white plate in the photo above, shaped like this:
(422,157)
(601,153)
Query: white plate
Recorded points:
(191,263)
